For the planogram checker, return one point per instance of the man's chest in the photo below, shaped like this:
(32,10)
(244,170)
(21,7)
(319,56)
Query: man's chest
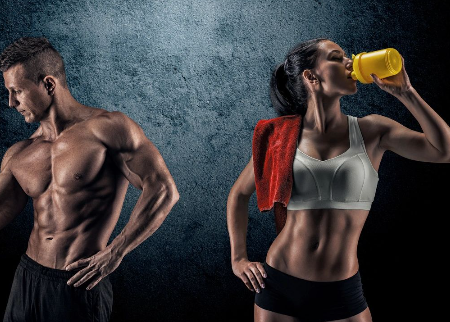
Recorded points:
(66,165)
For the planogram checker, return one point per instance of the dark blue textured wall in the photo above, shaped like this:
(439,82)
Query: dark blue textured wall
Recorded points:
(194,74)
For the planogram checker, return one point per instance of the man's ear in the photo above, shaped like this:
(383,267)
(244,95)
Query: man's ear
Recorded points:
(50,84)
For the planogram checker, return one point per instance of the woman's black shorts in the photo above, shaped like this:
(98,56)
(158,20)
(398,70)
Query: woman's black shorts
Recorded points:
(309,300)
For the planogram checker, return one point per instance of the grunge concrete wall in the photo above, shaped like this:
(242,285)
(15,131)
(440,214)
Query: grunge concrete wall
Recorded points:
(194,75)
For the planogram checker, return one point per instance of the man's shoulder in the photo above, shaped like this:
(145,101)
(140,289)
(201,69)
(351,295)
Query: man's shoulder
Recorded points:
(19,147)
(108,118)
(103,122)
(114,127)
(15,149)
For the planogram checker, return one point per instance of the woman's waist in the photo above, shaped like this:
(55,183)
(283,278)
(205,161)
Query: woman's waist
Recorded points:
(316,257)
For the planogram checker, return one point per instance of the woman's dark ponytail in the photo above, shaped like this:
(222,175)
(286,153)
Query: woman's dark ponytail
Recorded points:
(279,95)
(288,93)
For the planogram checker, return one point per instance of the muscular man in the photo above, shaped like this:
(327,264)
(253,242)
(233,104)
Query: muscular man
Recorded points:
(76,168)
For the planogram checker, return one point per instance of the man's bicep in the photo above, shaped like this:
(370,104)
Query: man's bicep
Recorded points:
(137,157)
(12,198)
(145,165)
(10,190)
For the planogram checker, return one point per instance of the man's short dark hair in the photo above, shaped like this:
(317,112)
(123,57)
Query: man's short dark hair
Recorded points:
(38,58)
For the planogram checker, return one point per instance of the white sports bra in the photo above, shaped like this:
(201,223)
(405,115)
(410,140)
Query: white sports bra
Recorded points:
(348,181)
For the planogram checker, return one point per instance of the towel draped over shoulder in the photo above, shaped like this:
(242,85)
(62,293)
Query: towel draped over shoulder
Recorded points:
(273,147)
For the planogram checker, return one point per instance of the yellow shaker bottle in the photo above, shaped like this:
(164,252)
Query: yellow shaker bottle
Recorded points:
(383,63)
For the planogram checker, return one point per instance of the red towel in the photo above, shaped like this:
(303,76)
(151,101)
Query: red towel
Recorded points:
(274,145)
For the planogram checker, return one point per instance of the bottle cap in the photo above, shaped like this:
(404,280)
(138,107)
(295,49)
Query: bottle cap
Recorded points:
(393,61)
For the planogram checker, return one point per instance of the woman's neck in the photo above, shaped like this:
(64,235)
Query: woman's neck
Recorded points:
(323,114)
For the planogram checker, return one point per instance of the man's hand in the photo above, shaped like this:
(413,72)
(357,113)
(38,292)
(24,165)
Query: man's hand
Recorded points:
(95,268)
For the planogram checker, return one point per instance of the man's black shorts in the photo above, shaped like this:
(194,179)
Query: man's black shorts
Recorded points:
(40,293)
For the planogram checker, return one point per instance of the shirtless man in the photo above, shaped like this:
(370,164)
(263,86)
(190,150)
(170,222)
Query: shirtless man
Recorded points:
(76,168)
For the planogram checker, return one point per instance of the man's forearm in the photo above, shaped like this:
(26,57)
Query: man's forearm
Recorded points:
(149,213)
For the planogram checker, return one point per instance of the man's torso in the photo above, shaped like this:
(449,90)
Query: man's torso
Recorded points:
(77,193)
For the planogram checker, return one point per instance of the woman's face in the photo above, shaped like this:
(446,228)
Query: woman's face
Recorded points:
(333,70)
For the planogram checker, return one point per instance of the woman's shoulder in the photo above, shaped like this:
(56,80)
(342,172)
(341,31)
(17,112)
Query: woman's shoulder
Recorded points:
(373,126)
(278,121)
(374,121)
(276,128)
(282,118)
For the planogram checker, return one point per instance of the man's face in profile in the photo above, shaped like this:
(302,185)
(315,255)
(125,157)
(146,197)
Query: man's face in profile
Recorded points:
(28,98)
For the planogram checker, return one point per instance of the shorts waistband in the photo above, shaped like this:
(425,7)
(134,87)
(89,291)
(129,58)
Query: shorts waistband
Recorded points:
(34,267)
(349,280)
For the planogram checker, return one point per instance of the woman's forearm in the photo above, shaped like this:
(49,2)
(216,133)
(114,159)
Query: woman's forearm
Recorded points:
(237,222)
(434,127)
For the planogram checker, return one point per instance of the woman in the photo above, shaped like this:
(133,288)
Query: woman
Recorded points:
(319,168)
